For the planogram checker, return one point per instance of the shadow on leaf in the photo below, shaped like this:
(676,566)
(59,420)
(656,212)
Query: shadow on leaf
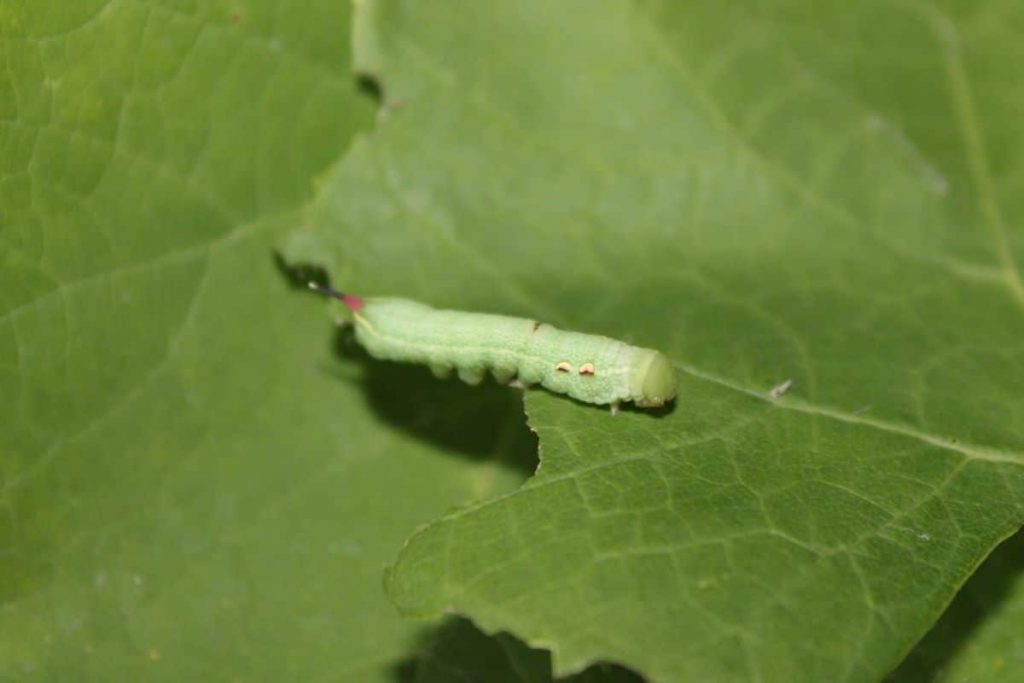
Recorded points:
(458,651)
(479,422)
(299,275)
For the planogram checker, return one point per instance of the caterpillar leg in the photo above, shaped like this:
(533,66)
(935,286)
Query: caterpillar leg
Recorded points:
(518,384)
(471,375)
(614,408)
(440,370)
(503,375)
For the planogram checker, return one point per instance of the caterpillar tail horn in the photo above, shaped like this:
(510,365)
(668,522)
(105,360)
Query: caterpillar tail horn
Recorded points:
(353,302)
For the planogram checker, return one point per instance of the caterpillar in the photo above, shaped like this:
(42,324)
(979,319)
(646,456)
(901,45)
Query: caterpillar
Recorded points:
(587,367)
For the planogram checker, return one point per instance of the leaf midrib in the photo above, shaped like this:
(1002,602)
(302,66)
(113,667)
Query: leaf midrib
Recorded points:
(971,450)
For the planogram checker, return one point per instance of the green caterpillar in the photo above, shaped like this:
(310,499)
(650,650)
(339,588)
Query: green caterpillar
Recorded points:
(587,367)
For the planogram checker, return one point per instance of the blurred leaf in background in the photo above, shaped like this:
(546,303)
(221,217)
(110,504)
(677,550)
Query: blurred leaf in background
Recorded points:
(201,479)
(192,487)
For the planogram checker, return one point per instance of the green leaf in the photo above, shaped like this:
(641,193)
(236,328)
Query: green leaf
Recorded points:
(981,635)
(814,192)
(191,486)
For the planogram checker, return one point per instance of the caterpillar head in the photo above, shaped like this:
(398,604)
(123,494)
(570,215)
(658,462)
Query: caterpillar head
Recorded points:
(654,380)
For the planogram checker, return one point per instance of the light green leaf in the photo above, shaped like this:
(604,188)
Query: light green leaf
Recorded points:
(191,486)
(818,192)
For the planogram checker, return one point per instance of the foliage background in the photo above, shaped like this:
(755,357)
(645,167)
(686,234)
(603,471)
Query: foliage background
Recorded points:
(199,479)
